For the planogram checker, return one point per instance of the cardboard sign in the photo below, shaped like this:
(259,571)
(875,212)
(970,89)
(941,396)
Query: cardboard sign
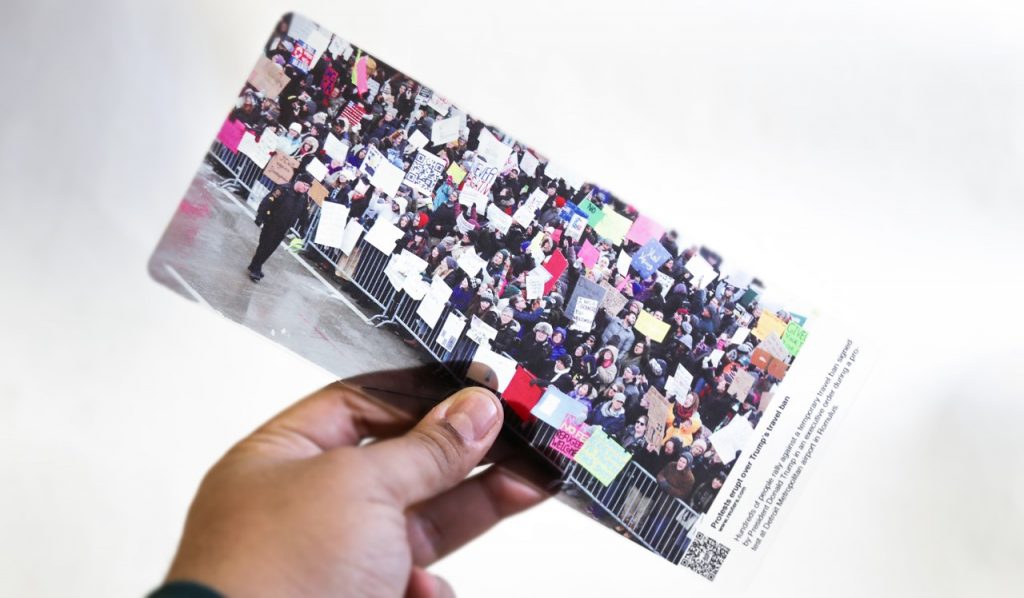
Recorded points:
(318,193)
(742,383)
(658,411)
(649,258)
(268,77)
(764,361)
(281,168)
(651,327)
(602,457)
(425,172)
(773,345)
(794,337)
(614,301)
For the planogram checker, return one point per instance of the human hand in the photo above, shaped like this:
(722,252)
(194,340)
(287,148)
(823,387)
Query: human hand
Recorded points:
(299,509)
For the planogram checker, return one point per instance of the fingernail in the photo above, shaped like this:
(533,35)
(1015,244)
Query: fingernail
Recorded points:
(473,414)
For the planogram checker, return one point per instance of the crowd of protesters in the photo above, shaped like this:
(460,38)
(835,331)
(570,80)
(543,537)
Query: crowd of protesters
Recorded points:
(608,368)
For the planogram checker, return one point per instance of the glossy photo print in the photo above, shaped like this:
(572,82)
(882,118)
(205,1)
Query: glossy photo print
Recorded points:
(368,223)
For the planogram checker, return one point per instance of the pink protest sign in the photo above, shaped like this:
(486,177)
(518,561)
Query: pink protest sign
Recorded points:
(644,229)
(361,84)
(231,133)
(588,254)
(570,437)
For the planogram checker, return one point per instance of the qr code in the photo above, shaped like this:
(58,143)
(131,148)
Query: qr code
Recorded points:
(705,556)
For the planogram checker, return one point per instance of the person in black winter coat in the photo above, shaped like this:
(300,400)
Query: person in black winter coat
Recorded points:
(278,212)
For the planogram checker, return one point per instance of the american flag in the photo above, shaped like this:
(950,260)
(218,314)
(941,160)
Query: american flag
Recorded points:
(353,113)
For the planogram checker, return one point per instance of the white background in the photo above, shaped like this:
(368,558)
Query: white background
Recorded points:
(865,154)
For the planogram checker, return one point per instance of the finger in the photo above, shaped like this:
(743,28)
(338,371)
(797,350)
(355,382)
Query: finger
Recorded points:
(446,522)
(425,585)
(439,451)
(334,416)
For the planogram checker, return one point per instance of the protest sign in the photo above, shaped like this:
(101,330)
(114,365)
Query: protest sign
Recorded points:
(613,301)
(498,219)
(417,139)
(529,163)
(769,323)
(444,131)
(794,338)
(521,394)
(470,262)
(742,383)
(645,229)
(731,439)
(383,235)
(740,336)
(773,345)
(703,272)
(588,254)
(658,412)
(480,332)
(268,78)
(491,369)
(585,288)
(335,148)
(679,383)
(650,257)
(570,437)
(281,168)
(353,230)
(231,133)
(666,282)
(387,177)
(415,287)
(602,457)
(456,172)
(576,226)
(439,103)
(451,331)
(471,197)
(316,168)
(330,229)
(430,309)
(592,210)
(651,327)
(613,226)
(555,264)
(623,262)
(481,177)
(583,314)
(491,149)
(554,405)
(425,172)
(318,193)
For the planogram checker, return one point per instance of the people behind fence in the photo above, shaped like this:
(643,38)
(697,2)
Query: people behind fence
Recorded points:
(609,366)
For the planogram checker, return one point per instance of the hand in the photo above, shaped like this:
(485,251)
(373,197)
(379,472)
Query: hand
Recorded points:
(300,509)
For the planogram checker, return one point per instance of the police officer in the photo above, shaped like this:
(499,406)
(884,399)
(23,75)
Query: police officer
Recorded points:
(278,212)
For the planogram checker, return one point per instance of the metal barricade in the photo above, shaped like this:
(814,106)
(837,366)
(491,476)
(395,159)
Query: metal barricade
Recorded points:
(654,518)
(369,275)
(456,360)
(243,171)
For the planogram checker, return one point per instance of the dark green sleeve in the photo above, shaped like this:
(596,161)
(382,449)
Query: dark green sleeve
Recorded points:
(184,589)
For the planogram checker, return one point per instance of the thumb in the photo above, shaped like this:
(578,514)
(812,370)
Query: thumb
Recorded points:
(441,450)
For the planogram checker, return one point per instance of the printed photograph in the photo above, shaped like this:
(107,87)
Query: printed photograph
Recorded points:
(367,223)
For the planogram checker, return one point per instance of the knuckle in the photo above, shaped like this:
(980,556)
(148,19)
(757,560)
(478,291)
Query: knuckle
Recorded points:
(442,444)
